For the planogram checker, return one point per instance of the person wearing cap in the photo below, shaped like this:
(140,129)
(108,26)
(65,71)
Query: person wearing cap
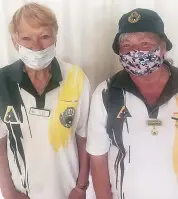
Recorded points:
(133,122)
(44,105)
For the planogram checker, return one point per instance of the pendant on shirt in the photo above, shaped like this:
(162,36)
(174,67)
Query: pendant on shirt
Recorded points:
(154,131)
(154,123)
(39,112)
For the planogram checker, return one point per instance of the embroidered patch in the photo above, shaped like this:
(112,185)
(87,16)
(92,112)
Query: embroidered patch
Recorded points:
(134,17)
(124,113)
(66,118)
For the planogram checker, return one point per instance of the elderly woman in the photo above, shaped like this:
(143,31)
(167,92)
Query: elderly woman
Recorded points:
(133,123)
(43,109)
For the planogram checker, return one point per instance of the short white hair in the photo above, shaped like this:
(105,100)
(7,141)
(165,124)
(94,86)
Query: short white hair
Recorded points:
(124,35)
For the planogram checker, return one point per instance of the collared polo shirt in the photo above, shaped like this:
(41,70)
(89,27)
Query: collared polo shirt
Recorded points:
(142,165)
(41,129)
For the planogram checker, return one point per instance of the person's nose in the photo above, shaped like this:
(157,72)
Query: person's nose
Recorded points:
(36,45)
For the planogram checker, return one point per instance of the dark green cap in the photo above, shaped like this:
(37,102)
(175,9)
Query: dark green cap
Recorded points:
(141,20)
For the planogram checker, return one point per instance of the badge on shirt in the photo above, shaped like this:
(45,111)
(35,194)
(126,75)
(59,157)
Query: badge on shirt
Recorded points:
(67,117)
(39,112)
(154,123)
(11,116)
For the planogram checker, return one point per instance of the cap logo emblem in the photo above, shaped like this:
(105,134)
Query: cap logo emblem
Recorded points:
(134,17)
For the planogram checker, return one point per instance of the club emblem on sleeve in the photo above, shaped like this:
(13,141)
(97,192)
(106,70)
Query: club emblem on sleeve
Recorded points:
(66,118)
(134,17)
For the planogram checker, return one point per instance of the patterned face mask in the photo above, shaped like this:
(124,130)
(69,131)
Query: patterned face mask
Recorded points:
(141,62)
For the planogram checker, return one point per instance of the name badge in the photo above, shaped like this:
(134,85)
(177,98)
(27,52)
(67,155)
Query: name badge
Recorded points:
(39,112)
(154,122)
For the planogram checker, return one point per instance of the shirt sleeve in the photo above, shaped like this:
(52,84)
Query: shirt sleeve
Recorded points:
(3,92)
(3,129)
(84,109)
(98,142)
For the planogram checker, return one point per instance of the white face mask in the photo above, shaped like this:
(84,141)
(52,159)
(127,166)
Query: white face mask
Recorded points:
(37,60)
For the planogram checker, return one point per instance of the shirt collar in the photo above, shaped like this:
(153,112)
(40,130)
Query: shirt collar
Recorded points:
(123,80)
(16,71)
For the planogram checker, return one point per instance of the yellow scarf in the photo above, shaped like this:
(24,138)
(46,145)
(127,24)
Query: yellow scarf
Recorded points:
(69,95)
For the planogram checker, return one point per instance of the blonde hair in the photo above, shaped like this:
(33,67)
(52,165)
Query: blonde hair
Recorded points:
(34,14)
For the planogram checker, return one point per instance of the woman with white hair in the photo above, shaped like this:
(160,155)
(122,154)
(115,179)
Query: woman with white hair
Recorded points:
(43,109)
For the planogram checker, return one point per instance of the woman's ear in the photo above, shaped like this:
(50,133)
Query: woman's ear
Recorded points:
(14,41)
(163,48)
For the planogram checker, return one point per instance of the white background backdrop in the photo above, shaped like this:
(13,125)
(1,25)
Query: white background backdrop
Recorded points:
(87,29)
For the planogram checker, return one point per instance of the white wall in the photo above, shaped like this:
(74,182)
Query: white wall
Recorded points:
(87,29)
